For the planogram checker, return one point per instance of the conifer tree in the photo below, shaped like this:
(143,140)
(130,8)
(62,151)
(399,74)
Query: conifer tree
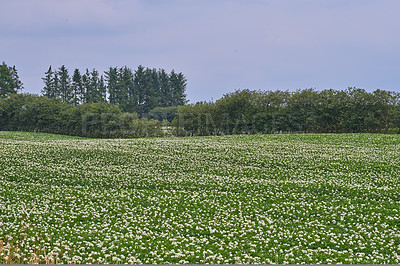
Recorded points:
(65,85)
(48,89)
(86,84)
(140,87)
(9,81)
(15,79)
(56,85)
(77,87)
(102,90)
(165,89)
(93,93)
(112,80)
(126,90)
(178,87)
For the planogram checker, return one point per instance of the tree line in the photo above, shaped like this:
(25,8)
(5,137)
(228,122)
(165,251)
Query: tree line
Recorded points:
(81,105)
(137,91)
(34,113)
(126,104)
(308,111)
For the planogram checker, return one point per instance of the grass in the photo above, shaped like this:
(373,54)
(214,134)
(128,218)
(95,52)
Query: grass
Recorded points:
(314,198)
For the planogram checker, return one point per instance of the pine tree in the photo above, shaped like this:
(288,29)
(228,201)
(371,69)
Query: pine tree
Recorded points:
(94,93)
(102,90)
(140,88)
(178,87)
(86,84)
(77,87)
(112,80)
(165,89)
(15,78)
(65,89)
(127,94)
(48,89)
(152,93)
(56,85)
(9,81)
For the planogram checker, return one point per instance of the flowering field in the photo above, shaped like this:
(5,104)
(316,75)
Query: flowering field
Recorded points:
(236,199)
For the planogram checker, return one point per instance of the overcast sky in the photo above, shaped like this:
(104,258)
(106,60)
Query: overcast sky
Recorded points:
(219,45)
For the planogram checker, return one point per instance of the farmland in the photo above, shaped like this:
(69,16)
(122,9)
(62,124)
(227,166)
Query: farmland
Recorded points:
(299,198)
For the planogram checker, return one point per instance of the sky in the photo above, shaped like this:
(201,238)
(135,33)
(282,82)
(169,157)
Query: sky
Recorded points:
(219,45)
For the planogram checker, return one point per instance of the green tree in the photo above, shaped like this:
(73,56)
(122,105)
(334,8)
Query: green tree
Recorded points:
(127,94)
(9,81)
(163,113)
(384,103)
(165,89)
(49,89)
(112,81)
(87,86)
(77,87)
(331,110)
(178,84)
(140,87)
(152,90)
(65,89)
(102,90)
(302,108)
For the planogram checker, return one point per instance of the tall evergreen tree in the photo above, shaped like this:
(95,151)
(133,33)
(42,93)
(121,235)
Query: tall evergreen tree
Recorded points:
(94,93)
(48,89)
(165,89)
(152,93)
(127,95)
(15,78)
(65,89)
(133,91)
(9,81)
(86,84)
(140,87)
(112,80)
(77,87)
(178,87)
(102,90)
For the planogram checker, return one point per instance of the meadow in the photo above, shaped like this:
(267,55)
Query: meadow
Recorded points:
(296,198)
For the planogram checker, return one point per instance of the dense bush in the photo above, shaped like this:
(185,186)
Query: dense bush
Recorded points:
(253,112)
(240,112)
(26,112)
(163,113)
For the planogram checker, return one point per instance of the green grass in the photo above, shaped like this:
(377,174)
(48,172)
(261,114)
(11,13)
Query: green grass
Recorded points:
(314,198)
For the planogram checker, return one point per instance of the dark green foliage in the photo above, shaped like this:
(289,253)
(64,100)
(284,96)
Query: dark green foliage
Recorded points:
(133,91)
(163,113)
(77,87)
(176,94)
(48,89)
(127,93)
(308,111)
(112,79)
(26,112)
(64,85)
(9,81)
(86,86)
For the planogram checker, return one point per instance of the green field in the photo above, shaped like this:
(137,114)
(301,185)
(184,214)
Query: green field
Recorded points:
(301,198)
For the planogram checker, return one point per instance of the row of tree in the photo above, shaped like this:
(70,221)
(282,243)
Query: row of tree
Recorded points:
(253,112)
(95,106)
(27,112)
(133,91)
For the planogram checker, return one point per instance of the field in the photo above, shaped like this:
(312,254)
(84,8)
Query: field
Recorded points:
(305,198)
